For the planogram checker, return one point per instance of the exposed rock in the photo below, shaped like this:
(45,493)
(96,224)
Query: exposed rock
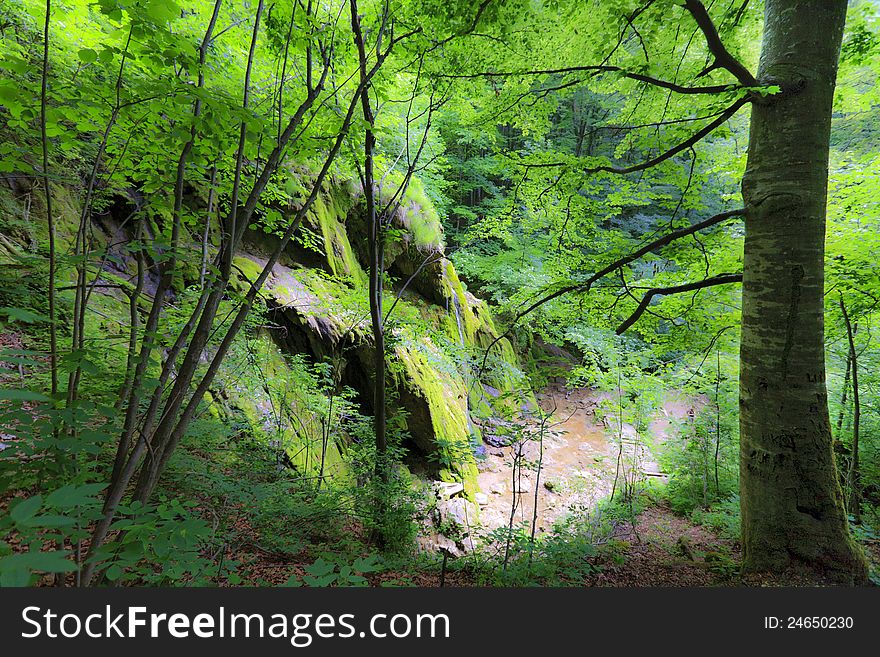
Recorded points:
(317,301)
(487,465)
(467,544)
(492,518)
(458,513)
(445,490)
(481,498)
(496,440)
(438,543)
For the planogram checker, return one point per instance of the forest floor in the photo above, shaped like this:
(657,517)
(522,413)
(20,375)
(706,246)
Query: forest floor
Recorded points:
(583,450)
(579,466)
(661,549)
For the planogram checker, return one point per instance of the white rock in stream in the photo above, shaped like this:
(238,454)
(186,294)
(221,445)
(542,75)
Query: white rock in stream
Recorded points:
(481,498)
(445,489)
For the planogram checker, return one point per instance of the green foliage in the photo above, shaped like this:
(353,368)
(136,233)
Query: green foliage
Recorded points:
(722,517)
(323,573)
(384,499)
(157,544)
(511,147)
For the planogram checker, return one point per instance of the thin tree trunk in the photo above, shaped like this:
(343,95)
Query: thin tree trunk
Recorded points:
(167,270)
(854,474)
(717,420)
(843,399)
(81,246)
(375,239)
(44,140)
(134,323)
(792,507)
(203,270)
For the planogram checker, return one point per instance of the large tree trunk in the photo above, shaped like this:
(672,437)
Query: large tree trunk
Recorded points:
(792,508)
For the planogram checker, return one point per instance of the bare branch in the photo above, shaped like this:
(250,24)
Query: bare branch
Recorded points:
(721,279)
(617,264)
(595,69)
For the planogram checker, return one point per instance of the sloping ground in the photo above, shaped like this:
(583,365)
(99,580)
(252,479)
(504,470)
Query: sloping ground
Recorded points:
(661,549)
(317,296)
(664,549)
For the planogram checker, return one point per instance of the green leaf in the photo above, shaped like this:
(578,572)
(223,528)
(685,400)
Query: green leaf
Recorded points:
(368,564)
(22,315)
(51,520)
(14,576)
(113,572)
(22,395)
(320,568)
(162,10)
(87,55)
(293,581)
(70,496)
(26,509)
(49,562)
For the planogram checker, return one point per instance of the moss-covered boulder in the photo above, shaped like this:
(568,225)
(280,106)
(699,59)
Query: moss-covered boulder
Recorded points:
(325,317)
(327,218)
(435,396)
(278,402)
(437,336)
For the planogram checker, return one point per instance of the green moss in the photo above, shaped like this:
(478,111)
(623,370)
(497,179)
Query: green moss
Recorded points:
(214,408)
(417,213)
(286,408)
(328,214)
(246,269)
(475,327)
(453,290)
(429,374)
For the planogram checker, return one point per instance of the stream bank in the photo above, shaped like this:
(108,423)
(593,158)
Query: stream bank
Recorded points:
(569,464)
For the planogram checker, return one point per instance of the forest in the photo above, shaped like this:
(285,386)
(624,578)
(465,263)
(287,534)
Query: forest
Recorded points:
(425,293)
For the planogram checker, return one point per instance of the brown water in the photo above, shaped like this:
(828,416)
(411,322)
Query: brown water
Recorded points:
(581,457)
(576,467)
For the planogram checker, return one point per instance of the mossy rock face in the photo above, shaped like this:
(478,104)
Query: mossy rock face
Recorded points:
(322,315)
(414,254)
(269,410)
(470,322)
(436,398)
(327,217)
(325,312)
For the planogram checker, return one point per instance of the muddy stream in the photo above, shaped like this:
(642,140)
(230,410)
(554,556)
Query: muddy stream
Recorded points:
(582,456)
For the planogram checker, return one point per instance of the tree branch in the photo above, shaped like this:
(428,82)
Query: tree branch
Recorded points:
(468,30)
(721,279)
(665,84)
(675,150)
(723,58)
(617,264)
